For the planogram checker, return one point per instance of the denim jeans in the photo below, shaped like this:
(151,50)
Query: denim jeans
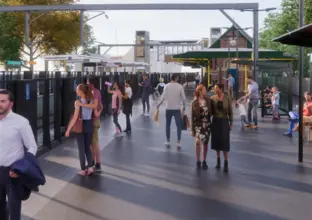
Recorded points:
(178,120)
(252,108)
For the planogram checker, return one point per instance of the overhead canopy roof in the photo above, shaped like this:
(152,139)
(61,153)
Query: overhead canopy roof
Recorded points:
(211,53)
(95,58)
(299,37)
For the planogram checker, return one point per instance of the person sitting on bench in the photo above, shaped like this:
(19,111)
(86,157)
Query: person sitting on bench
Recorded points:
(307,115)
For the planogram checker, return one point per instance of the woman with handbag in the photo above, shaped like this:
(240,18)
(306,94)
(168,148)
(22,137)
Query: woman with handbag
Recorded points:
(200,123)
(82,124)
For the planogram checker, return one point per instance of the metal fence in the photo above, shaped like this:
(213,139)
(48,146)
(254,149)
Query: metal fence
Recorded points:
(47,99)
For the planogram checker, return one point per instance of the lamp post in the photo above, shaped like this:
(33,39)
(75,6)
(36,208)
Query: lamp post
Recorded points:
(234,42)
(256,37)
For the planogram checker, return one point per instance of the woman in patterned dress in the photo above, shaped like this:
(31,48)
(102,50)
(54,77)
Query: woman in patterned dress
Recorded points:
(200,124)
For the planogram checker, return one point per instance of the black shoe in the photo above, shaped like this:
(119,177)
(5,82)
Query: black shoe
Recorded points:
(97,167)
(226,166)
(198,164)
(93,163)
(204,165)
(218,166)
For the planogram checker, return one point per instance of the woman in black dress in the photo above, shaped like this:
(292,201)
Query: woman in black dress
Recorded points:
(221,125)
(200,123)
(127,105)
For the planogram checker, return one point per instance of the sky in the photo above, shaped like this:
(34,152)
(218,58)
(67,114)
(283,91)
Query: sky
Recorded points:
(167,25)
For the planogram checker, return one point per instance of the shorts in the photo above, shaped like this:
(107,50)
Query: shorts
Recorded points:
(96,127)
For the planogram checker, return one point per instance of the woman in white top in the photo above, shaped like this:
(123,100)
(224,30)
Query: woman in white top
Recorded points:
(127,104)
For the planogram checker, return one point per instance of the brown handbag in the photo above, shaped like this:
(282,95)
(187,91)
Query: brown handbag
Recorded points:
(78,126)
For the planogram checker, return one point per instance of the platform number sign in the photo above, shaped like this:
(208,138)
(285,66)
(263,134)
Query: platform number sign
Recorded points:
(27,91)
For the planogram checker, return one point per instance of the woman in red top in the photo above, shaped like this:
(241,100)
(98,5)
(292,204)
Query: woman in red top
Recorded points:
(307,110)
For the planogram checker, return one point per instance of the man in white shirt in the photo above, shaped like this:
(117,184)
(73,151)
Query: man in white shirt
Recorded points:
(15,135)
(175,96)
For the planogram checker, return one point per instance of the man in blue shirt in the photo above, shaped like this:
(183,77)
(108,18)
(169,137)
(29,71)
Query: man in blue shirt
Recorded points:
(146,91)
(231,82)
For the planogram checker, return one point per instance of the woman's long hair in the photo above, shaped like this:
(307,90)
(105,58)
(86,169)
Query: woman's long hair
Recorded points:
(87,91)
(198,91)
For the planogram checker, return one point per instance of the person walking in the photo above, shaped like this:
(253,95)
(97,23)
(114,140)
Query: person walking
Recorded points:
(175,96)
(146,91)
(16,135)
(84,139)
(200,123)
(253,100)
(221,125)
(116,105)
(127,105)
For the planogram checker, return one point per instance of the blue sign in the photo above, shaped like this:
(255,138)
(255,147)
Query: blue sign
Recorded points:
(75,84)
(27,91)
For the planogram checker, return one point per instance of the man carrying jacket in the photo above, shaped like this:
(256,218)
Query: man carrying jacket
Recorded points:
(16,135)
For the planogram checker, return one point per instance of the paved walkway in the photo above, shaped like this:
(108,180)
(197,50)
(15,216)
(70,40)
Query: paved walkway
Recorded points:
(143,180)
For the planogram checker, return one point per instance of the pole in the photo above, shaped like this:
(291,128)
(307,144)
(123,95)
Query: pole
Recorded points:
(27,15)
(82,29)
(301,63)
(255,44)
(237,70)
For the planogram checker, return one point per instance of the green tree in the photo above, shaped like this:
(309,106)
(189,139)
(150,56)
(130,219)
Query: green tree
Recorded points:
(284,21)
(10,41)
(55,32)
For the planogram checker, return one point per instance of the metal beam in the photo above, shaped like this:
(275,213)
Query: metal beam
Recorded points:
(144,45)
(122,7)
(236,25)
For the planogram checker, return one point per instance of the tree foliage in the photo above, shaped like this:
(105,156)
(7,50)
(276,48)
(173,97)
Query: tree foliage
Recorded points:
(55,32)
(284,21)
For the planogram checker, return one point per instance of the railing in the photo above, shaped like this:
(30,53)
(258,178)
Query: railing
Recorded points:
(46,99)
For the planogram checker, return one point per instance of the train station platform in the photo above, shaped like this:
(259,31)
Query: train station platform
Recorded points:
(142,180)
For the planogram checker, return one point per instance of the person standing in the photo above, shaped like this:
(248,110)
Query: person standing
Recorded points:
(230,82)
(174,96)
(127,106)
(200,123)
(253,100)
(16,135)
(146,91)
(275,103)
(95,146)
(84,139)
(221,125)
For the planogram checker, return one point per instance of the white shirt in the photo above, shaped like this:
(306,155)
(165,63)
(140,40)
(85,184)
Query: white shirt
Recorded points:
(242,110)
(174,95)
(15,134)
(276,98)
(129,92)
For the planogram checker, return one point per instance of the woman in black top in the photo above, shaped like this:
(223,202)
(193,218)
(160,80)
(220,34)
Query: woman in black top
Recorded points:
(127,105)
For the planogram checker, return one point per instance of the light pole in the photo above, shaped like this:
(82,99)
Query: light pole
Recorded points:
(234,41)
(256,37)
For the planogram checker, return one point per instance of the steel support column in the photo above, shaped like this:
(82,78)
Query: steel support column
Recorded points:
(301,68)
(82,40)
(27,16)
(255,44)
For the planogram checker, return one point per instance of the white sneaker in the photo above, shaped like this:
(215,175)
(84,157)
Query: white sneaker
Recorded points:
(179,147)
(167,144)
(146,114)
